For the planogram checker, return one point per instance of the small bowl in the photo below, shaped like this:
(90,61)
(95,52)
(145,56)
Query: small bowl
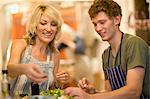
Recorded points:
(41,97)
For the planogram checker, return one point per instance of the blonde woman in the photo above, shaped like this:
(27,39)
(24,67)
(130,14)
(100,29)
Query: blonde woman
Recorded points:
(35,58)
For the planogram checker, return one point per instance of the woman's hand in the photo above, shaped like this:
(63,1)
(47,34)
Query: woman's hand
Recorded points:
(34,73)
(86,86)
(62,77)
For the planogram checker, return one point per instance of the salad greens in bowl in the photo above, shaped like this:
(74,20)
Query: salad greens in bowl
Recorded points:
(56,93)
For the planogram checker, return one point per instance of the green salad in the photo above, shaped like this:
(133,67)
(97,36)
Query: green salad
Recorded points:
(56,93)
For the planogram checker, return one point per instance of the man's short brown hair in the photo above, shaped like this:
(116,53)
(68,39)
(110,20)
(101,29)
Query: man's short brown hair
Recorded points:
(110,7)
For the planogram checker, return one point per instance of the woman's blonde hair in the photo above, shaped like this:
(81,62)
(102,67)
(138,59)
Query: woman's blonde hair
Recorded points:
(35,19)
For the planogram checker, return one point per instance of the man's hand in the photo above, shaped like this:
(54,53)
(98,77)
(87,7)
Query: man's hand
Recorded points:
(86,86)
(77,93)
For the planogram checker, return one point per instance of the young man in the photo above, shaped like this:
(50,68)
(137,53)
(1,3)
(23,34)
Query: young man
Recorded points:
(125,62)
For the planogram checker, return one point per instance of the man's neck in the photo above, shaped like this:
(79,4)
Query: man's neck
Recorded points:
(115,42)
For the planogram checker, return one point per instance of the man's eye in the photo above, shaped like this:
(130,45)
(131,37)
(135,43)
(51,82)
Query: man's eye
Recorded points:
(102,22)
(94,24)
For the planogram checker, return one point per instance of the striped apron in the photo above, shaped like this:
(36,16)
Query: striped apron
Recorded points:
(116,75)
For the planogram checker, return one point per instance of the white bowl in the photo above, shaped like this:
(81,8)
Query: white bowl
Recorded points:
(41,97)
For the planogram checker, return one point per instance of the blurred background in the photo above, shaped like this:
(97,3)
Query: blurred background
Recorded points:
(80,47)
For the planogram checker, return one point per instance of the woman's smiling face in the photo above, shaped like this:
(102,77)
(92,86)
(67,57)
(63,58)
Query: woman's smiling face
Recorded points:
(46,29)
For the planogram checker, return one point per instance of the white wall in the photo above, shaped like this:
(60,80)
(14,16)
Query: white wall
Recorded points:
(148,1)
(5,30)
(127,7)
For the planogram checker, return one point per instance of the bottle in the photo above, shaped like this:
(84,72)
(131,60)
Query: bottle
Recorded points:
(35,88)
(5,85)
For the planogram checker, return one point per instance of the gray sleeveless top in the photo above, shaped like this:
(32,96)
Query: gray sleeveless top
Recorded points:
(21,84)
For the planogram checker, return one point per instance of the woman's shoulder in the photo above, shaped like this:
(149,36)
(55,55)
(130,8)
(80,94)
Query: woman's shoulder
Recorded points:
(55,51)
(19,43)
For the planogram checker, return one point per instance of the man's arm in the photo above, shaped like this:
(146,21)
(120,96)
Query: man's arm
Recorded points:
(132,90)
(107,86)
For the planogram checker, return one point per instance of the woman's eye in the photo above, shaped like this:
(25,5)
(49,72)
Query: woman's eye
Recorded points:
(42,23)
(54,24)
